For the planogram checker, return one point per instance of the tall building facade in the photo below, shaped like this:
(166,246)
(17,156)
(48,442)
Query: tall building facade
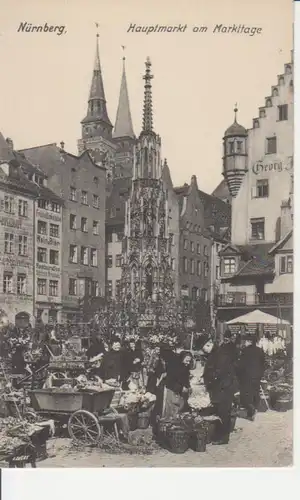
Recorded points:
(82,185)
(257,266)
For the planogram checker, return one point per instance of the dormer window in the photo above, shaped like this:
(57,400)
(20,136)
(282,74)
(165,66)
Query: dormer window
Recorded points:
(229,265)
(275,92)
(269,103)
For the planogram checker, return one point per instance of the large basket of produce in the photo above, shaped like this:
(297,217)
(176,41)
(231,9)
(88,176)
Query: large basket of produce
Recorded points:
(143,420)
(162,427)
(211,424)
(62,400)
(178,440)
(132,420)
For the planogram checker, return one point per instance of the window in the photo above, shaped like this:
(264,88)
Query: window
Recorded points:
(118,288)
(93,256)
(239,146)
(286,264)
(95,227)
(95,289)
(8,242)
(23,208)
(42,254)
(231,147)
(109,238)
(198,268)
(198,248)
(84,224)
(95,201)
(120,236)
(206,267)
(42,227)
(109,289)
(54,230)
(185,291)
(205,251)
(41,286)
(185,244)
(258,229)
(192,266)
(53,288)
(229,265)
(55,207)
(72,286)
(109,261)
(96,180)
(194,293)
(185,264)
(73,254)
(283,112)
(43,204)
(84,256)
(272,145)
(52,317)
(217,272)
(72,221)
(9,204)
(112,213)
(84,197)
(54,257)
(262,188)
(173,264)
(192,246)
(73,194)
(7,283)
(118,260)
(21,284)
(23,245)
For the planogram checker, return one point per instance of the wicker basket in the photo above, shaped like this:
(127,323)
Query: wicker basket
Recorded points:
(283,404)
(199,439)
(132,421)
(162,427)
(143,420)
(178,440)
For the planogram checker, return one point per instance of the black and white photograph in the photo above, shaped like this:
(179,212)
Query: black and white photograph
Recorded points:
(146,234)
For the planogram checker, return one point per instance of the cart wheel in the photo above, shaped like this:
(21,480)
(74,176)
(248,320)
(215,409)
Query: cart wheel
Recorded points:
(31,417)
(84,427)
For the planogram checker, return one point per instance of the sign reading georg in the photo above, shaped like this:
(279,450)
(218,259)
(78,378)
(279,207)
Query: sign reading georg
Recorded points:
(262,167)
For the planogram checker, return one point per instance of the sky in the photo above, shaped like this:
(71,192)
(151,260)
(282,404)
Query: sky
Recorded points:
(198,77)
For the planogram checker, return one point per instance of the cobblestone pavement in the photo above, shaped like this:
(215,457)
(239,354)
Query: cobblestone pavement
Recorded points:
(267,442)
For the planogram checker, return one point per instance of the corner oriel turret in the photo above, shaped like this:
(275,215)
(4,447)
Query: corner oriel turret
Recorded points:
(235,155)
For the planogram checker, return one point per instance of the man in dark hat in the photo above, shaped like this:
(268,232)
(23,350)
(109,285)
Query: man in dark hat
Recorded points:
(251,368)
(221,383)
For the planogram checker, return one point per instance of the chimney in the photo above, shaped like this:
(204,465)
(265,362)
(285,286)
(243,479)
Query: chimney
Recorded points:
(10,143)
(286,223)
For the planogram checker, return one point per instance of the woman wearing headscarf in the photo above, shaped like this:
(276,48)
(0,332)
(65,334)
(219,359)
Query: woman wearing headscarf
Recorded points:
(133,359)
(112,366)
(177,384)
(221,383)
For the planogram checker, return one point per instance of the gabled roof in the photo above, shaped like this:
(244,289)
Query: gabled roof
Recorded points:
(281,243)
(255,260)
(231,249)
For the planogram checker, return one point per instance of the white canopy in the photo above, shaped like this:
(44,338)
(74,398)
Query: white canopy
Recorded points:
(258,317)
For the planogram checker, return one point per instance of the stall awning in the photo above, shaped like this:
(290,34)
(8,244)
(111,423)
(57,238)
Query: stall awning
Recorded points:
(258,317)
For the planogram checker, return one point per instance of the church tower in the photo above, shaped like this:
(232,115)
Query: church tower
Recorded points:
(123,134)
(235,155)
(96,126)
(146,274)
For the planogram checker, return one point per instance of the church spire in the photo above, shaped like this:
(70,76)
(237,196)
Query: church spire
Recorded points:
(147,111)
(97,111)
(123,125)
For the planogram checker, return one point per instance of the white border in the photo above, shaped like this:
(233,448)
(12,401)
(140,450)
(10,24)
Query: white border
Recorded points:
(243,484)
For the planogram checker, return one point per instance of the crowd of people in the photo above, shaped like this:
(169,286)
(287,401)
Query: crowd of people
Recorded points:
(228,367)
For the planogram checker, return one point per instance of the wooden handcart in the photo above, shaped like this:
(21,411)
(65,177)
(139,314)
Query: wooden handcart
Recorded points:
(84,413)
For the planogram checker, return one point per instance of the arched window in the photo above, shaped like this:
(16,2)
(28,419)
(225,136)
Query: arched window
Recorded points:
(256,124)
(149,281)
(275,92)
(269,103)
(262,113)
(281,80)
